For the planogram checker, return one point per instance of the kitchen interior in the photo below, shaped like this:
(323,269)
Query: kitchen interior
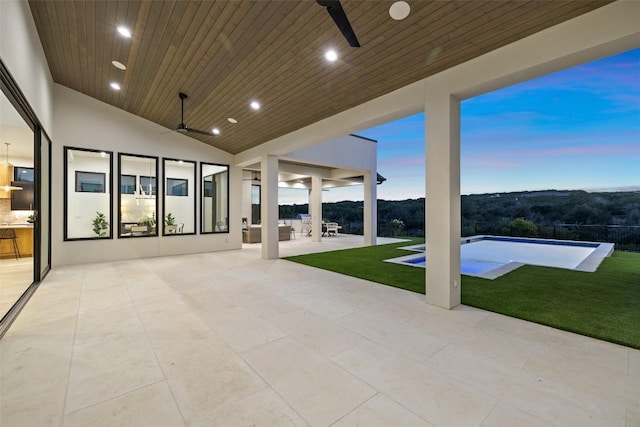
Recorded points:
(16,205)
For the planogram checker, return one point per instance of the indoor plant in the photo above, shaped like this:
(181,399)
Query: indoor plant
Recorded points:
(150,222)
(100,225)
(170,223)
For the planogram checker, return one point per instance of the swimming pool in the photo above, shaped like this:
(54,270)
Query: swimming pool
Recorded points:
(492,256)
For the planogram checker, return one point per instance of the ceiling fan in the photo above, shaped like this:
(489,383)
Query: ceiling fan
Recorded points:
(340,18)
(182,128)
(254,177)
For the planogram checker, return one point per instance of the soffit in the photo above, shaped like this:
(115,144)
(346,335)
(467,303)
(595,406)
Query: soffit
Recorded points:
(225,53)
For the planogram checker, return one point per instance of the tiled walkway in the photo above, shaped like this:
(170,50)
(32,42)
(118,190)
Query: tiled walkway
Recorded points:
(228,339)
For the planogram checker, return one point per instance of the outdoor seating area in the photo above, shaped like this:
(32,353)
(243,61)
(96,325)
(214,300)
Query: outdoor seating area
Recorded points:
(253,233)
(330,229)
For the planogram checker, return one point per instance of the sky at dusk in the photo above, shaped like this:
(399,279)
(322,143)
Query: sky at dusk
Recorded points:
(574,129)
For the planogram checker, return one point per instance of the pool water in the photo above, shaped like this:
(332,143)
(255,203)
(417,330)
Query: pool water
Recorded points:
(467,266)
(492,256)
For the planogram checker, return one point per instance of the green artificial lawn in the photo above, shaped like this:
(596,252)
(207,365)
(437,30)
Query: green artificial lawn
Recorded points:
(603,305)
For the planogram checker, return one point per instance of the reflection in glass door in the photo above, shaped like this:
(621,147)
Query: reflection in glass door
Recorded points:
(17,189)
(44,212)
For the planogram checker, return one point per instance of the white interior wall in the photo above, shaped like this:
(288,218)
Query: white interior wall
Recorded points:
(83,122)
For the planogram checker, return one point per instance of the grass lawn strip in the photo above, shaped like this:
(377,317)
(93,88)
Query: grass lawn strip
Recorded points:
(603,305)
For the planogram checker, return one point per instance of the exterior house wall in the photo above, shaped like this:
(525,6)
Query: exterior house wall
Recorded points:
(84,122)
(349,152)
(22,53)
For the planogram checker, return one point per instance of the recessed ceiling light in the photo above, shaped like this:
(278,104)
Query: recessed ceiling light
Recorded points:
(103,154)
(232,120)
(124,32)
(180,162)
(331,55)
(215,131)
(399,10)
(119,65)
(115,86)
(255,105)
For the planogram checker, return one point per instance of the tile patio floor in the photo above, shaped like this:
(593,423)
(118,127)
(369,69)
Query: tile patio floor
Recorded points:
(228,339)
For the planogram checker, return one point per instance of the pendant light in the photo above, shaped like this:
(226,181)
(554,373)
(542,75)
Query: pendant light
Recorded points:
(6,175)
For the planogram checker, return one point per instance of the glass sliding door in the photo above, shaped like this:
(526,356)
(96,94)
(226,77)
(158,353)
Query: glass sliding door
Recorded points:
(25,200)
(44,207)
(17,214)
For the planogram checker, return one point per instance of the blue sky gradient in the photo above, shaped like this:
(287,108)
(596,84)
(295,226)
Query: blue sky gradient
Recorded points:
(575,129)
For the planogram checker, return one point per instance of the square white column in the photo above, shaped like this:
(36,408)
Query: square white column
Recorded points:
(269,206)
(370,208)
(442,210)
(316,208)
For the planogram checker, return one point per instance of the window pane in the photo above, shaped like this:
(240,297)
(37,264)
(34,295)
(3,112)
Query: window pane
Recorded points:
(177,187)
(87,194)
(90,182)
(127,184)
(148,185)
(23,174)
(138,210)
(215,198)
(179,203)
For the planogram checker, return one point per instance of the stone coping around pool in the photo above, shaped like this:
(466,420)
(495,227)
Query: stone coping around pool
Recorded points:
(590,264)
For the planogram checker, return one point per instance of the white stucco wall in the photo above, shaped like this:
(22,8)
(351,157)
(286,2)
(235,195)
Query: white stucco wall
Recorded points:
(349,152)
(22,53)
(84,122)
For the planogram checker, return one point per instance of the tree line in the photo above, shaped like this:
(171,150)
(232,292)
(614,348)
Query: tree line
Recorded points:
(540,207)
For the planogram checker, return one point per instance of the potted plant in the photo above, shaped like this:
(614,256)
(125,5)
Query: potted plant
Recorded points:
(170,223)
(100,225)
(150,222)
(397,225)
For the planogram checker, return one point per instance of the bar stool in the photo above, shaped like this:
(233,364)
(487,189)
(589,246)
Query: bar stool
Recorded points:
(10,234)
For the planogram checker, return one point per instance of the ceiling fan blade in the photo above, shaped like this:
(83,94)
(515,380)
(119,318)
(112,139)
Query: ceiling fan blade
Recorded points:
(340,18)
(200,132)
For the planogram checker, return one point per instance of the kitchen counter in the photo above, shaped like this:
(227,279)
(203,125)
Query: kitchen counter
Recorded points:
(16,225)
(24,235)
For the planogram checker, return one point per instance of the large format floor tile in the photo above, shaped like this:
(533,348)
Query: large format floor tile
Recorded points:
(432,395)
(152,405)
(228,339)
(317,389)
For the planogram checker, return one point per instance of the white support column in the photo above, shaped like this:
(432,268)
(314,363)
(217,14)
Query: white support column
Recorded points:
(316,208)
(370,208)
(269,206)
(442,210)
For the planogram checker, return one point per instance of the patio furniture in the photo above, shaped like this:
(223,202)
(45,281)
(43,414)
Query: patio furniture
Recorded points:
(253,234)
(331,228)
(139,230)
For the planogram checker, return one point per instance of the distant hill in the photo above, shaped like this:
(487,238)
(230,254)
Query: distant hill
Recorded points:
(547,207)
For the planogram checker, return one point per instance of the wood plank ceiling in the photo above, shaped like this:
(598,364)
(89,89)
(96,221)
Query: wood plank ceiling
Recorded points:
(225,53)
